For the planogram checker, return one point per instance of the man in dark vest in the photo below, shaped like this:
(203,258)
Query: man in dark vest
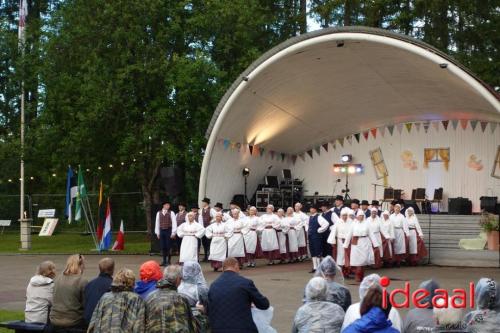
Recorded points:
(339,204)
(165,229)
(317,226)
(364,208)
(180,218)
(205,218)
(326,213)
(355,206)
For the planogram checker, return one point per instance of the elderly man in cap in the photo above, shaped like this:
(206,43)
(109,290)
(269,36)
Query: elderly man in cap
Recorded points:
(165,229)
(355,206)
(317,226)
(205,218)
(364,208)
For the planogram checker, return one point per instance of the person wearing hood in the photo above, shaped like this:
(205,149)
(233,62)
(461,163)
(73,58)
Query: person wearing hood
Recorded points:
(373,316)
(486,317)
(268,224)
(448,317)
(195,289)
(332,274)
(419,319)
(401,234)
(317,314)
(39,293)
(373,222)
(190,232)
(217,232)
(353,312)
(337,237)
(302,229)
(416,247)
(234,234)
(149,275)
(98,287)
(120,310)
(387,235)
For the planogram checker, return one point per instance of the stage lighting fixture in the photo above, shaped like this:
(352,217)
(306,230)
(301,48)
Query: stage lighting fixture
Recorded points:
(342,169)
(336,169)
(359,169)
(245,172)
(351,169)
(346,158)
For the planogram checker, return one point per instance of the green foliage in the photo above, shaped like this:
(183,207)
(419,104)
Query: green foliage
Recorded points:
(489,222)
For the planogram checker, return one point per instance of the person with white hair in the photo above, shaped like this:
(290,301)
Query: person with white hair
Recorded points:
(486,316)
(416,244)
(251,238)
(422,319)
(317,314)
(337,237)
(448,318)
(361,238)
(218,246)
(190,231)
(302,230)
(373,221)
(269,222)
(353,312)
(291,225)
(401,233)
(234,235)
(387,234)
(281,232)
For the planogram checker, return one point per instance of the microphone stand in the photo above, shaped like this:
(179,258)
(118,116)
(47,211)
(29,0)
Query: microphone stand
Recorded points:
(429,233)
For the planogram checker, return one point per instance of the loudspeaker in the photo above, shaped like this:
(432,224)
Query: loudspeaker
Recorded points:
(397,194)
(413,204)
(459,206)
(240,200)
(489,204)
(389,193)
(438,194)
(172,180)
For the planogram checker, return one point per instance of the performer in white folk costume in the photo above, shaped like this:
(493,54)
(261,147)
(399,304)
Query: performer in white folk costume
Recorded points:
(304,220)
(401,233)
(291,224)
(206,216)
(217,232)
(281,231)
(373,222)
(165,229)
(416,246)
(338,235)
(190,232)
(235,242)
(233,205)
(252,242)
(387,233)
(317,226)
(269,222)
(362,241)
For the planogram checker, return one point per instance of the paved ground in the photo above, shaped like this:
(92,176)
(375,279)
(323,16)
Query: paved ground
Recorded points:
(283,284)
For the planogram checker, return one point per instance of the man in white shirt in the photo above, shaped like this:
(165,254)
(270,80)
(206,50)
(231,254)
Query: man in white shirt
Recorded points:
(165,230)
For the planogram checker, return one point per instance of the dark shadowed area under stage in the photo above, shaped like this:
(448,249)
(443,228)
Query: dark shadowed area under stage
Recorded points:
(283,284)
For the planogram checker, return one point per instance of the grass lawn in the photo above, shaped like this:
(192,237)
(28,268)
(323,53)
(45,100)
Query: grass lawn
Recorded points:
(68,243)
(6,315)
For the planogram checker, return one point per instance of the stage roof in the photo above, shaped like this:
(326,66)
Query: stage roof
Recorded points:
(335,82)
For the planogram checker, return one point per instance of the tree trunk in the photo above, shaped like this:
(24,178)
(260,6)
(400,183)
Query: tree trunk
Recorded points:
(347,13)
(148,208)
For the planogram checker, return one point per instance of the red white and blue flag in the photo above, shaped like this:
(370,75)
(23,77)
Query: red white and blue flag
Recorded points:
(106,235)
(120,239)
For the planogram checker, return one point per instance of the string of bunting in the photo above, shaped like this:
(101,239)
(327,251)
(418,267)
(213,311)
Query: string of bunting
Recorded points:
(436,125)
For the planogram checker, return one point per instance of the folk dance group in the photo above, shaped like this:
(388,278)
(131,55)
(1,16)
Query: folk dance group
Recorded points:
(356,237)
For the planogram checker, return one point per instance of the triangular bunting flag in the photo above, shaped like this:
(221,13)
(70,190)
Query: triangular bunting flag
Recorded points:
(302,156)
(473,124)
(463,123)
(341,141)
(261,151)
(445,124)
(454,123)
(233,145)
(349,139)
(493,126)
(417,127)
(391,129)
(294,158)
(282,157)
(374,132)
(365,135)
(318,150)
(382,130)
(226,144)
(250,149)
(483,125)
(357,135)
(400,128)
(408,127)
(325,146)
(310,153)
(426,126)
(435,124)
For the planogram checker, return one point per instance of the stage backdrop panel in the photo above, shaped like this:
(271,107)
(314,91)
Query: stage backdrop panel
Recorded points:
(403,153)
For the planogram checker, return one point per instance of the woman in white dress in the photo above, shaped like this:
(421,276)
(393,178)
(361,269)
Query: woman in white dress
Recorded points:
(387,234)
(401,233)
(302,230)
(235,242)
(362,241)
(416,246)
(281,231)
(337,237)
(252,242)
(291,224)
(218,246)
(374,224)
(269,222)
(190,231)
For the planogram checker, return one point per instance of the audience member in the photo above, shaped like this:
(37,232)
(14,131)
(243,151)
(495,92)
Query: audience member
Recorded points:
(166,309)
(317,314)
(194,288)
(230,299)
(332,273)
(448,319)
(418,319)
(67,308)
(353,312)
(487,313)
(97,287)
(149,275)
(39,293)
(120,310)
(373,316)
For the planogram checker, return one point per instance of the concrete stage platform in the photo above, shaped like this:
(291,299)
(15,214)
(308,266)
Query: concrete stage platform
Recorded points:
(443,232)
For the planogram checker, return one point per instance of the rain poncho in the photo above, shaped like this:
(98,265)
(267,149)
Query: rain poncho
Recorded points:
(193,286)
(422,318)
(487,314)
(317,315)
(262,319)
(332,273)
(353,312)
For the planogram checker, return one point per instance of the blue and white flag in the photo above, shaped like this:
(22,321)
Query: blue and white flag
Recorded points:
(106,235)
(71,190)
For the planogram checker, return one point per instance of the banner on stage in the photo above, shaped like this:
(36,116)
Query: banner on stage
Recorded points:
(49,225)
(43,213)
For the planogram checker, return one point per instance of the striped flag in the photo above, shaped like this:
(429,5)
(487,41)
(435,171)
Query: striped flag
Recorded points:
(106,238)
(120,239)
(81,194)
(101,216)
(70,193)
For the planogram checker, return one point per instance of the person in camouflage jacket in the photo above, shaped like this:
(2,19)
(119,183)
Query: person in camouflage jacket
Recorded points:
(166,310)
(120,310)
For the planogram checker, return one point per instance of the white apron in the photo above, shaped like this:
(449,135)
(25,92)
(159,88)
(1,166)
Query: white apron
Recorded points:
(362,252)
(218,245)
(189,232)
(269,240)
(415,230)
(339,231)
(250,233)
(303,222)
(291,223)
(374,225)
(400,231)
(235,243)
